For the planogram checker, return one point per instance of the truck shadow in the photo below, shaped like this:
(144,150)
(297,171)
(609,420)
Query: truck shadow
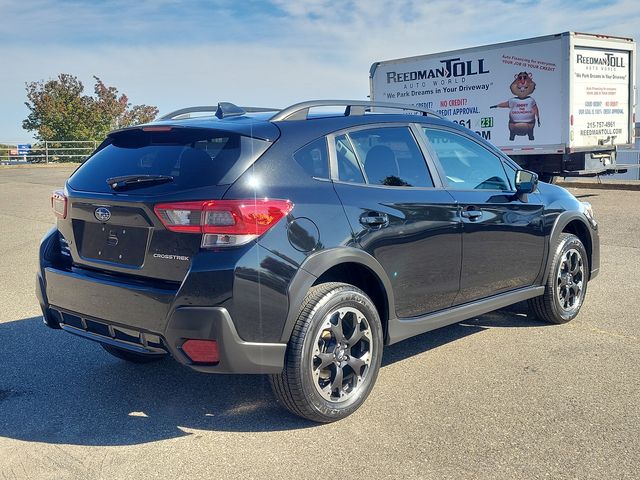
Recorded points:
(55,388)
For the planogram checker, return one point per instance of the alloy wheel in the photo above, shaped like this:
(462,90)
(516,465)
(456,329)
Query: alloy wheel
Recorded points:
(570,281)
(342,354)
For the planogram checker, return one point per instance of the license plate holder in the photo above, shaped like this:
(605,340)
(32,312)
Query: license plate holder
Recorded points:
(114,243)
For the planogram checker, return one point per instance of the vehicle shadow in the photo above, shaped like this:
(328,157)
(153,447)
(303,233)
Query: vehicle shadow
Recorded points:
(514,316)
(56,388)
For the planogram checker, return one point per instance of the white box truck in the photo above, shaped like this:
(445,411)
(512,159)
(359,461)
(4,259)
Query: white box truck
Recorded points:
(559,105)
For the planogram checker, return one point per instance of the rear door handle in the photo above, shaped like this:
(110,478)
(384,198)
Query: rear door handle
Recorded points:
(374,219)
(472,213)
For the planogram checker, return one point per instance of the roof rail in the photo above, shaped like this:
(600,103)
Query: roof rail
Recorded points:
(300,111)
(222,110)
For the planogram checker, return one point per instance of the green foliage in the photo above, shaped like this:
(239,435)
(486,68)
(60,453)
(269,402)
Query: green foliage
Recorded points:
(61,111)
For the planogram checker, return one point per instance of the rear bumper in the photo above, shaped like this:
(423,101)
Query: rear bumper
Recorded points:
(144,320)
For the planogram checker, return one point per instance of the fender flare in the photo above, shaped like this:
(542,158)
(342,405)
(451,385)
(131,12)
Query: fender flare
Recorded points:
(317,264)
(560,223)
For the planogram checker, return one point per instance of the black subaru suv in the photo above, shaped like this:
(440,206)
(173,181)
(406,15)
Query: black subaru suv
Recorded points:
(298,243)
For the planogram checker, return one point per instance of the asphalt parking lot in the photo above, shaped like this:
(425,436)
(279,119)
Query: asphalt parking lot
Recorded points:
(501,396)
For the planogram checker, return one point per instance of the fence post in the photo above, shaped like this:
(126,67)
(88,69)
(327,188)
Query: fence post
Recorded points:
(46,151)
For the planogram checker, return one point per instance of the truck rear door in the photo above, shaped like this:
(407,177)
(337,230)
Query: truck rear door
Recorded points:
(602,92)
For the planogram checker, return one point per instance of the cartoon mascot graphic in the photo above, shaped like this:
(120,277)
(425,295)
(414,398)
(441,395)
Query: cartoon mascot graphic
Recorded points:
(523,108)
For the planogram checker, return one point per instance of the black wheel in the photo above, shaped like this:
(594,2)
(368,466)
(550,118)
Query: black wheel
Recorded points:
(334,354)
(130,356)
(566,284)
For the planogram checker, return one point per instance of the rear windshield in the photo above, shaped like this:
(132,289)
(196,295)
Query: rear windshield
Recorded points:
(193,157)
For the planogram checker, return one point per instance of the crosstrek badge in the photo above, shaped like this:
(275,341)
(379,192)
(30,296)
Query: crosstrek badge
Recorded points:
(167,256)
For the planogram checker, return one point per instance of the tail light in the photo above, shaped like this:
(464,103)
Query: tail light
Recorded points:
(59,204)
(223,223)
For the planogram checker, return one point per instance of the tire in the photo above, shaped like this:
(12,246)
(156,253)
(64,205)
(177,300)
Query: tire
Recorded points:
(132,357)
(334,354)
(566,285)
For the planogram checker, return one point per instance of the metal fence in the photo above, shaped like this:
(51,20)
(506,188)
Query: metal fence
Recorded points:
(46,152)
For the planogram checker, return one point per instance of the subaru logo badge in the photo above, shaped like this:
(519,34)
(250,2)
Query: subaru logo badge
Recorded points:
(102,214)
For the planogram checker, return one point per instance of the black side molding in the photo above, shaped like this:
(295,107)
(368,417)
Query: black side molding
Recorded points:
(401,329)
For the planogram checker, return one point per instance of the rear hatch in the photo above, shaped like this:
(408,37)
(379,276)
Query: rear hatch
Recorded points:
(110,223)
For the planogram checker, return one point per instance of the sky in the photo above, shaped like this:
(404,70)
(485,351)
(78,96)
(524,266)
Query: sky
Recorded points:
(272,53)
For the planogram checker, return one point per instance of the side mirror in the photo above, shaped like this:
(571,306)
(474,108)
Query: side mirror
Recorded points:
(526,182)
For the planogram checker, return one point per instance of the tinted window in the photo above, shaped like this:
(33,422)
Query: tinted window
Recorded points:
(348,166)
(193,157)
(511,173)
(467,165)
(391,157)
(314,158)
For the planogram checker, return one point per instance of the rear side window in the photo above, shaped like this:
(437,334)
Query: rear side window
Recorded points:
(193,157)
(314,158)
(391,157)
(348,167)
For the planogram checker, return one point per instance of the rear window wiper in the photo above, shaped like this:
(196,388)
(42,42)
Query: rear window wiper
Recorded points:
(132,181)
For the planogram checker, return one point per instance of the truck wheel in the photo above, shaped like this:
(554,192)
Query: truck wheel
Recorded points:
(333,356)
(133,357)
(566,284)
(548,178)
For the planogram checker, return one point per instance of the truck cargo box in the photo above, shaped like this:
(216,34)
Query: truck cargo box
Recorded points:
(570,94)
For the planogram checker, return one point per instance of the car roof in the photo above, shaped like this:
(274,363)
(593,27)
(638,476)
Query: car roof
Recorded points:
(267,124)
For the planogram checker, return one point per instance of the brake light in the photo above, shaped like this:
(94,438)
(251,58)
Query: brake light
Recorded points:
(158,128)
(59,204)
(223,223)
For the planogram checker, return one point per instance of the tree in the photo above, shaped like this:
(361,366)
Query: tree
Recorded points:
(59,110)
(115,111)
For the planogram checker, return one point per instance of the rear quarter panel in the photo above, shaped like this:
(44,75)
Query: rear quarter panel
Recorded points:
(260,301)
